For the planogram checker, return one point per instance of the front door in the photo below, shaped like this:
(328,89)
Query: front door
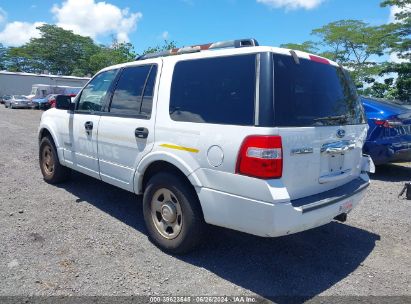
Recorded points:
(81,147)
(126,131)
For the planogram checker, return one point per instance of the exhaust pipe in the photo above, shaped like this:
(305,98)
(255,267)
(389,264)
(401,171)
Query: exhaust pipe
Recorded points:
(341,218)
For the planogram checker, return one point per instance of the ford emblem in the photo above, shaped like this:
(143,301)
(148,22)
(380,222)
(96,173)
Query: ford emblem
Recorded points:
(340,133)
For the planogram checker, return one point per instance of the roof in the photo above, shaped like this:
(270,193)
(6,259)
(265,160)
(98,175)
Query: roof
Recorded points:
(225,52)
(249,43)
(43,75)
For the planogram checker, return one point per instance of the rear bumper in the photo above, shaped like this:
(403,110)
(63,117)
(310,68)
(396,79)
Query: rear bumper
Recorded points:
(44,106)
(276,219)
(21,106)
(381,153)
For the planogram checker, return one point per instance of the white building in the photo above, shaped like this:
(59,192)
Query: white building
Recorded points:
(16,83)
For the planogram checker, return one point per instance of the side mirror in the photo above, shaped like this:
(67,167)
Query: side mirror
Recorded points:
(63,102)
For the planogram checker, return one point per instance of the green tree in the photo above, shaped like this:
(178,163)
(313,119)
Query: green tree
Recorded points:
(307,46)
(3,52)
(401,49)
(57,51)
(167,45)
(354,41)
(18,59)
(109,55)
(357,45)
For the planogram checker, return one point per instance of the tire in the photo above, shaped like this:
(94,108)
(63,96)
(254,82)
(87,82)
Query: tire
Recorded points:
(178,209)
(53,172)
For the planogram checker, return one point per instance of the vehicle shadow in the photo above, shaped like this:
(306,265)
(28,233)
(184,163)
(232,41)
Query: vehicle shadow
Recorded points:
(286,269)
(392,173)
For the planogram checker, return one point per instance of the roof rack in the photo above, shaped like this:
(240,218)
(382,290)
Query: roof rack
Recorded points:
(239,43)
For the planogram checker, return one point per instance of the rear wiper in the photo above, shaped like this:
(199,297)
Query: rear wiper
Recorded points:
(340,118)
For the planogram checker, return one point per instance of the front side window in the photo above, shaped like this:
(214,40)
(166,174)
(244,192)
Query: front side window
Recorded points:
(94,94)
(214,90)
(133,94)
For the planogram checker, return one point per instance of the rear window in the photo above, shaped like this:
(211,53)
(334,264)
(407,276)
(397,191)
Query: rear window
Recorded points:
(214,90)
(313,94)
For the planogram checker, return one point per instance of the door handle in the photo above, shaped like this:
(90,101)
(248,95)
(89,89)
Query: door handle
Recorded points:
(88,125)
(141,132)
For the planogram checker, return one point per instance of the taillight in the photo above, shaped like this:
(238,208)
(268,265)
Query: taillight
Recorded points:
(388,123)
(319,59)
(261,156)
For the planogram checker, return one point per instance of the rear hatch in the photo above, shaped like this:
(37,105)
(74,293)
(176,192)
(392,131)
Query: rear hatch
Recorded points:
(321,122)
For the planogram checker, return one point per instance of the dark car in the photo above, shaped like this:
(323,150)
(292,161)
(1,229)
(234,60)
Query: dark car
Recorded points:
(46,102)
(389,136)
(4,98)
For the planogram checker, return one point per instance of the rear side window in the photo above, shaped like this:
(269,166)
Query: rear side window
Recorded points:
(133,94)
(214,90)
(313,94)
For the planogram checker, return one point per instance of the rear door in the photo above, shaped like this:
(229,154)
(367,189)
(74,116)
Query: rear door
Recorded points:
(321,122)
(126,130)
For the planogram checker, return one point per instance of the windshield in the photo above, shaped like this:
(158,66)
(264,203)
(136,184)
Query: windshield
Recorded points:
(310,93)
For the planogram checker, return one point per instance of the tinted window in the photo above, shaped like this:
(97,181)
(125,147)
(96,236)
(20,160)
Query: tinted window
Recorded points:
(313,94)
(128,95)
(94,94)
(147,102)
(215,90)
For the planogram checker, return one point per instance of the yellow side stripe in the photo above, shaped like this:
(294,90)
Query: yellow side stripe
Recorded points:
(192,150)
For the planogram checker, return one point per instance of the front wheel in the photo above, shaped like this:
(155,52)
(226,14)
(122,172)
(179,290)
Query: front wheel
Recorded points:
(53,172)
(172,213)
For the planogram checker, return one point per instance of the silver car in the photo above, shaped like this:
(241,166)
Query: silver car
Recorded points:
(18,102)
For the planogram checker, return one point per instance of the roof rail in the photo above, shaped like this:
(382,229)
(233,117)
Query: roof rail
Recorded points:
(202,47)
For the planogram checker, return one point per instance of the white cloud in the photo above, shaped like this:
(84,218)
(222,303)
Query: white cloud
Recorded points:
(18,33)
(165,35)
(292,4)
(90,18)
(3,15)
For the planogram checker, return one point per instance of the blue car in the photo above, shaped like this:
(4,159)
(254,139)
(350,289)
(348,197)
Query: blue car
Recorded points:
(389,135)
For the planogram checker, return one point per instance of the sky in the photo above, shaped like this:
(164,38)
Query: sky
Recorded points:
(147,23)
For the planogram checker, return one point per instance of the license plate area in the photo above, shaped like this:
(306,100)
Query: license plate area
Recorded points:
(335,163)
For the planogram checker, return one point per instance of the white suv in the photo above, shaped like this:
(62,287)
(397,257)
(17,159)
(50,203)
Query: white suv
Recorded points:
(258,139)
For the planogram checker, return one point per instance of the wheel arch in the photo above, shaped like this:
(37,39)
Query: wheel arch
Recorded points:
(162,162)
(44,131)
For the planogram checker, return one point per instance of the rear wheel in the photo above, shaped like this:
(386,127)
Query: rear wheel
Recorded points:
(53,172)
(172,213)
